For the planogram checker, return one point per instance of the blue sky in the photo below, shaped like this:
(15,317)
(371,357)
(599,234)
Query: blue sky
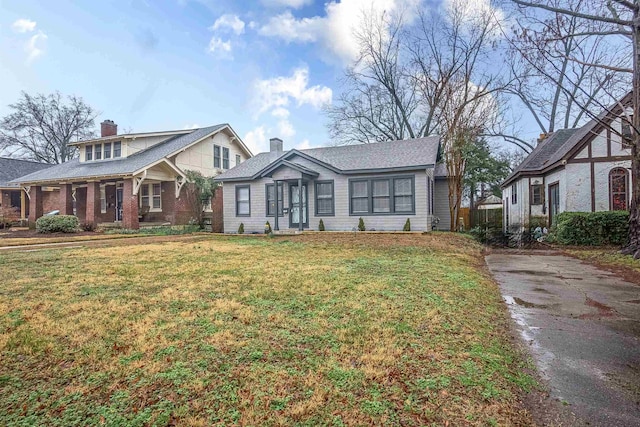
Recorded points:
(151,65)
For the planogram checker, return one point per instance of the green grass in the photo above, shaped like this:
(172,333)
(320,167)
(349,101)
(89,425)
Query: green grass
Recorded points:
(308,330)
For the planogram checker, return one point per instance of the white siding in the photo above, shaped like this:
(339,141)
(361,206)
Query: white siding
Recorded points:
(577,191)
(441,205)
(199,157)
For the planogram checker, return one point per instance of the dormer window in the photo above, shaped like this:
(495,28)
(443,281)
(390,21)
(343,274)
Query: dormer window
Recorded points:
(98,151)
(107,150)
(117,149)
(89,152)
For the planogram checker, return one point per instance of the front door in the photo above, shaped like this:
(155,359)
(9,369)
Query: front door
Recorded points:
(119,204)
(554,202)
(297,209)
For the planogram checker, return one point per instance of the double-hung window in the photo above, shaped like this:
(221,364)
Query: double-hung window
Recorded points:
(144,196)
(324,198)
(156,196)
(238,159)
(537,194)
(151,195)
(103,199)
(225,158)
(359,197)
(117,149)
(98,151)
(107,150)
(271,199)
(382,196)
(243,200)
(514,194)
(88,152)
(216,156)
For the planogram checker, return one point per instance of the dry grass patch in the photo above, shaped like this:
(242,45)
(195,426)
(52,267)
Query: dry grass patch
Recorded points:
(306,330)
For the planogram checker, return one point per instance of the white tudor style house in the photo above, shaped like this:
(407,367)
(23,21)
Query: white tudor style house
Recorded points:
(585,169)
(132,178)
(385,183)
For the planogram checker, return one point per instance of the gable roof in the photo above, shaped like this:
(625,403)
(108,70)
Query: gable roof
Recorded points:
(123,166)
(410,154)
(11,169)
(562,144)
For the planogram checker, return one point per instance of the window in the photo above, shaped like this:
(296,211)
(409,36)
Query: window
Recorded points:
(271,199)
(359,197)
(514,194)
(403,195)
(216,156)
(107,150)
(144,196)
(238,159)
(382,196)
(157,196)
(103,199)
(324,198)
(225,158)
(98,151)
(537,194)
(627,134)
(117,149)
(88,152)
(618,190)
(243,200)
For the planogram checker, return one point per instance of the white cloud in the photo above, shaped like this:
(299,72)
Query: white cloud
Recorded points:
(295,4)
(229,22)
(218,45)
(477,12)
(336,30)
(34,46)
(256,140)
(281,113)
(285,129)
(24,26)
(306,144)
(280,91)
(192,126)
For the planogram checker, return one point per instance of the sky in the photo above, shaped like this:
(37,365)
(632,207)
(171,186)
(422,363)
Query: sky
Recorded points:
(266,67)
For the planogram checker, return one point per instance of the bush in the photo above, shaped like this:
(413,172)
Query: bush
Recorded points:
(241,228)
(57,224)
(537,221)
(321,225)
(361,226)
(592,228)
(407,226)
(88,226)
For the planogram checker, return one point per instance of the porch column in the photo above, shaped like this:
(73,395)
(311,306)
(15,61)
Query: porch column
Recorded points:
(129,206)
(93,203)
(35,203)
(275,221)
(300,207)
(65,202)
(23,204)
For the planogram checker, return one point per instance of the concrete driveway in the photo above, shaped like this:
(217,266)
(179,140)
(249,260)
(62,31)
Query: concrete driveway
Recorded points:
(582,328)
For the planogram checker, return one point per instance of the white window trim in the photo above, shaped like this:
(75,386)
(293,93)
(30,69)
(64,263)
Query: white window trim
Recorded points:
(103,199)
(149,187)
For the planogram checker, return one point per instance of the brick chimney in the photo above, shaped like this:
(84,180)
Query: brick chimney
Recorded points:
(108,128)
(275,145)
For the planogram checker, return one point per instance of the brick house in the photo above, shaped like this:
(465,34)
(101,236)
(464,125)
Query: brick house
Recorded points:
(132,178)
(11,194)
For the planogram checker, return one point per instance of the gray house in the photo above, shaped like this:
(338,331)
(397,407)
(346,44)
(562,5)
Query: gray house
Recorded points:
(385,183)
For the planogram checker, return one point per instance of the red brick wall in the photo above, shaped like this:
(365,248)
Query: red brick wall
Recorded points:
(50,201)
(81,204)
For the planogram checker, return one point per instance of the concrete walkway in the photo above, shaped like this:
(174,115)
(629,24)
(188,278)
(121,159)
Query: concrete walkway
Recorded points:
(582,327)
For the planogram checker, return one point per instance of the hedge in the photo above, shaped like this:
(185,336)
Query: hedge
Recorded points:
(57,224)
(592,228)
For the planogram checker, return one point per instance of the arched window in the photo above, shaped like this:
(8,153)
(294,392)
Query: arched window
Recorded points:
(618,189)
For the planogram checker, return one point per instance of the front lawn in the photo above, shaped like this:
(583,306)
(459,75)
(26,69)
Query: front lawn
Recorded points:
(335,329)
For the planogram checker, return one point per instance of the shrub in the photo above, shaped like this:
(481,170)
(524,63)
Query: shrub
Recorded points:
(407,226)
(8,215)
(321,225)
(87,226)
(241,228)
(361,226)
(57,224)
(267,228)
(592,228)
(537,221)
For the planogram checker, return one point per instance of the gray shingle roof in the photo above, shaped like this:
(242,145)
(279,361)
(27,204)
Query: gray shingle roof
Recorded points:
(75,169)
(411,153)
(11,169)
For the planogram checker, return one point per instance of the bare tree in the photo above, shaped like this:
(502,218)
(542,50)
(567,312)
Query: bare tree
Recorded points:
(622,18)
(556,63)
(40,127)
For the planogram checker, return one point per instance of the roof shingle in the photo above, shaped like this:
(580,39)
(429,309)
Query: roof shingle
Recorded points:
(11,169)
